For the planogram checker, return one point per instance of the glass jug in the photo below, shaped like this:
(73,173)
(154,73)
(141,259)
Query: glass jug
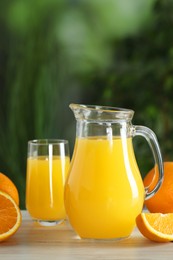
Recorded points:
(104,191)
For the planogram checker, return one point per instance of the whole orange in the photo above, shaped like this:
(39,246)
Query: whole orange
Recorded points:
(162,201)
(6,185)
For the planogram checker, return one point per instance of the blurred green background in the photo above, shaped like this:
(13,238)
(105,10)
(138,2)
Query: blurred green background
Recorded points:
(107,52)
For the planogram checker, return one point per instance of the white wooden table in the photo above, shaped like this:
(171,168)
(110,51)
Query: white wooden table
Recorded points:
(60,242)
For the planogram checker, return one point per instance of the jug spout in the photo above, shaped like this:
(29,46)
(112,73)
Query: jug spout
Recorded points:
(101,113)
(101,121)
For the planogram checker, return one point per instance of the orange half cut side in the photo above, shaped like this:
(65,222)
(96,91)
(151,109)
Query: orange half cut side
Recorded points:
(157,227)
(10,216)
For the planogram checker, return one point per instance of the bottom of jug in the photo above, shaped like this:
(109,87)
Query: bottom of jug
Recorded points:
(102,239)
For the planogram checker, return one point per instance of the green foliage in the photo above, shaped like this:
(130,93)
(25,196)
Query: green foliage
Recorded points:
(141,78)
(54,52)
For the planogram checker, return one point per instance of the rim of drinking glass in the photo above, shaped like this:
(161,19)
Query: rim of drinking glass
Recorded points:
(47,141)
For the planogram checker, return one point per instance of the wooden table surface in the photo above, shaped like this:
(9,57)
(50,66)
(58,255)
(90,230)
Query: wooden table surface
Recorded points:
(60,242)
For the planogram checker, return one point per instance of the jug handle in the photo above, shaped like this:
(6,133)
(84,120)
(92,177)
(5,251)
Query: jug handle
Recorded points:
(151,138)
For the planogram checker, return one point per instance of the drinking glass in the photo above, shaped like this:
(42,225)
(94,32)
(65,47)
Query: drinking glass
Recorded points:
(47,167)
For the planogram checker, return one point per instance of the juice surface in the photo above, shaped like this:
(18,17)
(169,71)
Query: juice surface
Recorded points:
(45,187)
(104,191)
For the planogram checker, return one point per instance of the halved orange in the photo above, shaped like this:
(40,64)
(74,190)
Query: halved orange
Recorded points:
(10,216)
(157,227)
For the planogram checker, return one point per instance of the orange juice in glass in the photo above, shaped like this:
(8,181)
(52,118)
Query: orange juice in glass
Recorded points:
(47,167)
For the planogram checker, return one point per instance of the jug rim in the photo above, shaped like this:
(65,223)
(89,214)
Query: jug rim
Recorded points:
(108,112)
